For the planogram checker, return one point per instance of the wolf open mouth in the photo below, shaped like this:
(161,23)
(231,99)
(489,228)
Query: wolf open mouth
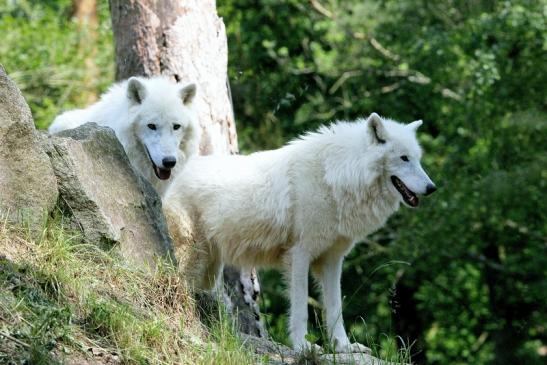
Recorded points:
(408,195)
(162,174)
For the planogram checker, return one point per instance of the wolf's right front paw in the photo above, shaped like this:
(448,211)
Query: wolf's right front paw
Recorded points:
(345,346)
(306,346)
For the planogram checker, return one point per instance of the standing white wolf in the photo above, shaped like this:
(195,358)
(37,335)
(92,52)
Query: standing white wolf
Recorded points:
(304,205)
(153,119)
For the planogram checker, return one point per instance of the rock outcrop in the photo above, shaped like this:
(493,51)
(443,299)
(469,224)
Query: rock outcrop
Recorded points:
(105,198)
(279,354)
(28,188)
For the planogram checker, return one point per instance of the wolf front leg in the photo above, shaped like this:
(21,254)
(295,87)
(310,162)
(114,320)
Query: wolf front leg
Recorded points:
(330,273)
(299,267)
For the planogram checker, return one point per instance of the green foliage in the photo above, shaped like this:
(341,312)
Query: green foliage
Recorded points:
(462,279)
(46,321)
(464,276)
(47,53)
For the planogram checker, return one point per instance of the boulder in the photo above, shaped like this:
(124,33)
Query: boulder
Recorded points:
(28,188)
(106,199)
(278,354)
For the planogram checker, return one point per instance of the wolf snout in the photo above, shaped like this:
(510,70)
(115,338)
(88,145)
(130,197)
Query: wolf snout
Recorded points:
(169,162)
(430,189)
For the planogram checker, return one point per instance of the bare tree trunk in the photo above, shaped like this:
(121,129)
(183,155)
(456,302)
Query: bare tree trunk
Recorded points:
(187,40)
(85,12)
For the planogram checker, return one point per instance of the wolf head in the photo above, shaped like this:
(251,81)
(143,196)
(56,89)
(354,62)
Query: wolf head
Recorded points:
(163,119)
(402,153)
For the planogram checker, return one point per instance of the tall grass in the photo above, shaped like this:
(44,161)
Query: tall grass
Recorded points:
(61,298)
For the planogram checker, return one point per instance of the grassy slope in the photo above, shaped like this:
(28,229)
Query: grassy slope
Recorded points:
(62,301)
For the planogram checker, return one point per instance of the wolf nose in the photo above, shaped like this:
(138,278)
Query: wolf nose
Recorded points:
(430,189)
(169,162)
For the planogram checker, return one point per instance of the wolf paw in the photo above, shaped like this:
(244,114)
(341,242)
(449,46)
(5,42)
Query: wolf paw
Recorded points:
(347,347)
(307,346)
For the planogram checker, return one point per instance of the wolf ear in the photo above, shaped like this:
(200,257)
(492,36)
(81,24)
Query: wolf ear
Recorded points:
(376,128)
(188,93)
(136,92)
(415,125)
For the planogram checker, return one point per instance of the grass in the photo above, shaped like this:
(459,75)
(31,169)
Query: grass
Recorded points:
(386,346)
(387,349)
(221,328)
(61,299)
(64,300)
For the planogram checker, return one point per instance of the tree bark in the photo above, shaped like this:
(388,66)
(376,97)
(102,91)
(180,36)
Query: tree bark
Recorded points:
(85,12)
(187,41)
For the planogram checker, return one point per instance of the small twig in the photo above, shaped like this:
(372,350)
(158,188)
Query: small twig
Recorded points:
(447,93)
(389,88)
(19,342)
(375,245)
(413,76)
(480,341)
(321,9)
(384,51)
(345,76)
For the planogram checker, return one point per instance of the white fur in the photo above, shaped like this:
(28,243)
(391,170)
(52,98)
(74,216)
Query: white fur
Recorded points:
(129,106)
(301,206)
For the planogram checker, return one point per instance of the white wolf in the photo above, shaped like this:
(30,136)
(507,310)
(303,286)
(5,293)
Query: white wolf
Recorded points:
(153,119)
(303,205)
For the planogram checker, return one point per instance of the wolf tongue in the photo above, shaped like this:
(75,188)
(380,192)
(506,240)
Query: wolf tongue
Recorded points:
(163,174)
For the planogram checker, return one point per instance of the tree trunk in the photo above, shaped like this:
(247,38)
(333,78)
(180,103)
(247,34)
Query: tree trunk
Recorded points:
(85,12)
(187,41)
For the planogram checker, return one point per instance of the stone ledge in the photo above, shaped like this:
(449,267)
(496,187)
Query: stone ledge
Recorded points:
(280,354)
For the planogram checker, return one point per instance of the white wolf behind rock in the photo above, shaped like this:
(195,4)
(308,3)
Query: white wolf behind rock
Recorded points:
(152,118)
(304,205)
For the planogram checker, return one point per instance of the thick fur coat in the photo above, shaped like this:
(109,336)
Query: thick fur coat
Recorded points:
(298,207)
(154,120)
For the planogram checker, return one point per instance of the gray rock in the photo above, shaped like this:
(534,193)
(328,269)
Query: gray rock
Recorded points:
(353,359)
(106,199)
(279,354)
(28,188)
(276,353)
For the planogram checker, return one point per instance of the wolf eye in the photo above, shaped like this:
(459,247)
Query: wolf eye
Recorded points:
(176,126)
(404,158)
(151,126)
